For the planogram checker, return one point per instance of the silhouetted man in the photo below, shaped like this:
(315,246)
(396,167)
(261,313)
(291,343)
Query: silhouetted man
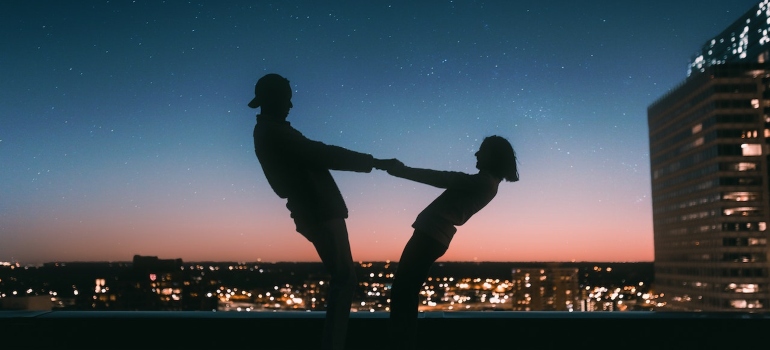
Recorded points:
(297,169)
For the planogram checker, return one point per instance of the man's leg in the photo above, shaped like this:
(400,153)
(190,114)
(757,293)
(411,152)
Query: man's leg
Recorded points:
(333,247)
(418,256)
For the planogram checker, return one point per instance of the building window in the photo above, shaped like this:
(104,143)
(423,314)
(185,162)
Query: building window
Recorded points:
(749,134)
(743,241)
(741,211)
(697,128)
(743,288)
(742,258)
(740,166)
(740,181)
(751,149)
(744,226)
(740,196)
(745,304)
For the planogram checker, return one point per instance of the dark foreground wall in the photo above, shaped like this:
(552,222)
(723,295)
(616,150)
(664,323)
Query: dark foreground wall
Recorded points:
(451,330)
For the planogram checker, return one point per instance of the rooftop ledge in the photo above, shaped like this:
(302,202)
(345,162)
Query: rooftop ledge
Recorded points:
(368,330)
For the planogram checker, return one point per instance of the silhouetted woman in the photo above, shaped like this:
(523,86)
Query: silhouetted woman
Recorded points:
(435,226)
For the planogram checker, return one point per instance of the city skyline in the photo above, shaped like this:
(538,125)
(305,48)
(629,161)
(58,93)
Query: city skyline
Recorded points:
(126,130)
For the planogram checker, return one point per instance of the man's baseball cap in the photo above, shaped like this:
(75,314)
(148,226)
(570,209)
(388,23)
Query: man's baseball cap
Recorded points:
(270,87)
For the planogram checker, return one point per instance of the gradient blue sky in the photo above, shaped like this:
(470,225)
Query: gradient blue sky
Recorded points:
(124,127)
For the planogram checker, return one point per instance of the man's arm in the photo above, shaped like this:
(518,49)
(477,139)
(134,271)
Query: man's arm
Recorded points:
(325,156)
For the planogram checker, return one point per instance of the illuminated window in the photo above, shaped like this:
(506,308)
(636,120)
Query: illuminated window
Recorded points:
(743,288)
(751,149)
(745,304)
(740,196)
(749,134)
(738,166)
(743,226)
(741,211)
(697,128)
(698,142)
(741,258)
(100,283)
(743,166)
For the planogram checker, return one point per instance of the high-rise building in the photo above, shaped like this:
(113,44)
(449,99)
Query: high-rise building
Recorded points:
(746,40)
(709,160)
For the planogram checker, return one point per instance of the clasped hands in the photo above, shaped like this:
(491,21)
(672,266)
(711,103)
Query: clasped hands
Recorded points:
(388,164)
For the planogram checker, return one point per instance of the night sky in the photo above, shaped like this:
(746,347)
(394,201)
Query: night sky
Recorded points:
(124,127)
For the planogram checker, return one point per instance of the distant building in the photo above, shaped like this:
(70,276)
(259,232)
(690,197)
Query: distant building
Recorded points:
(153,284)
(746,40)
(709,175)
(162,284)
(29,303)
(545,289)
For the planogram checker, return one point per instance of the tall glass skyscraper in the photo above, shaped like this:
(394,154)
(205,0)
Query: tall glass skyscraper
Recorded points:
(709,157)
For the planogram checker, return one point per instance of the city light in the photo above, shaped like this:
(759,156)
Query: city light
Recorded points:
(195,286)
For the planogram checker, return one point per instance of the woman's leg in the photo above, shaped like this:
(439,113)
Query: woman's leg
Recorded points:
(418,256)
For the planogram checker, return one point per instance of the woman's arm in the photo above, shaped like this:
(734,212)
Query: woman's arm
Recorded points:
(436,178)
